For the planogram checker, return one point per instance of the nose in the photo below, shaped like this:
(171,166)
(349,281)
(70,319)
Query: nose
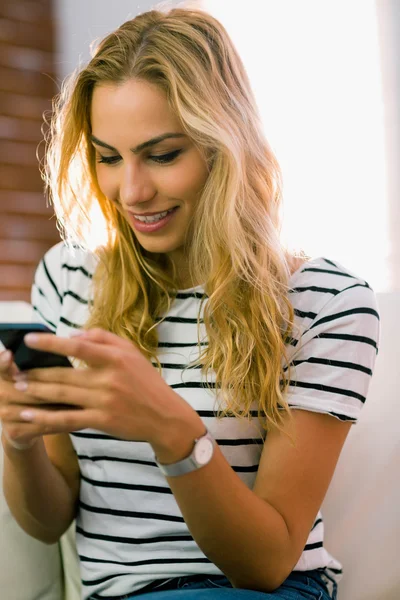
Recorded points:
(136,187)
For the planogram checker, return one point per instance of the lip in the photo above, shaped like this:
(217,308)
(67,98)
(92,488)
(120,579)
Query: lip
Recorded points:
(150,227)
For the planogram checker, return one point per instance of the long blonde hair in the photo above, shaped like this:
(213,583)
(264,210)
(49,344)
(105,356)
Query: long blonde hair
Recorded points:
(234,245)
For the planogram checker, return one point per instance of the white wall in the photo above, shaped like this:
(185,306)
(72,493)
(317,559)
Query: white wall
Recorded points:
(79,22)
(388,13)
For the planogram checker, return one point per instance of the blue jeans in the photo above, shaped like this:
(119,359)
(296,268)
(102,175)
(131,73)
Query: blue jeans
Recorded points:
(300,585)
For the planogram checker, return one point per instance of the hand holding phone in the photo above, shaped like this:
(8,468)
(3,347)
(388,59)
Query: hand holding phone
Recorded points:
(25,358)
(12,337)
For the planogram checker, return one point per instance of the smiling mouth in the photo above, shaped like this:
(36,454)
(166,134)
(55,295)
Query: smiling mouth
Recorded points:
(153,213)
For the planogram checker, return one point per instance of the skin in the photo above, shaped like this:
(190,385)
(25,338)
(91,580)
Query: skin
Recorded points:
(124,116)
(148,410)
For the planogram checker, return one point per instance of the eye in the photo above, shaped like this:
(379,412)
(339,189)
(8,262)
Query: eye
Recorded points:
(161,158)
(166,158)
(108,160)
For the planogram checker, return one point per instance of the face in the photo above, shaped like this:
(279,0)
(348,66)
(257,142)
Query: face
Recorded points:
(146,178)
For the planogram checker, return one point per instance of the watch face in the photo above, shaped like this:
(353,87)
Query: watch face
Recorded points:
(203,451)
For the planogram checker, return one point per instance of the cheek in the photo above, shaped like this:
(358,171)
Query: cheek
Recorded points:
(106,181)
(193,179)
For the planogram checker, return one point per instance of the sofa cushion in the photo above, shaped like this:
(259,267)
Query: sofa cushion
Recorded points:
(29,569)
(361,508)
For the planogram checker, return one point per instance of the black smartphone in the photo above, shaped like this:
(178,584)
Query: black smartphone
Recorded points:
(12,338)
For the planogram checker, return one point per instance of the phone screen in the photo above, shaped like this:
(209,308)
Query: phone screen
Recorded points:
(12,337)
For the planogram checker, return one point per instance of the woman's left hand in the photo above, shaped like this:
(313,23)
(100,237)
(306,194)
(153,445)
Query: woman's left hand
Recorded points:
(120,392)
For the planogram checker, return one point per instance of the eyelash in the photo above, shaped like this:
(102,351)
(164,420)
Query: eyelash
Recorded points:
(161,159)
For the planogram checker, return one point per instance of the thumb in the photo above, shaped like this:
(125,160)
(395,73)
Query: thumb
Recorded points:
(10,368)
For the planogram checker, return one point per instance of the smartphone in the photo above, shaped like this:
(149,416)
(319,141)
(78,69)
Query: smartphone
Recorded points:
(12,337)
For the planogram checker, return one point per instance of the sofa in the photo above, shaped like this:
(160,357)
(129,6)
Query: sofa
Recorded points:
(361,509)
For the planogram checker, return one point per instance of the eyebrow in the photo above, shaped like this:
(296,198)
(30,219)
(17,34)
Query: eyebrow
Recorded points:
(141,146)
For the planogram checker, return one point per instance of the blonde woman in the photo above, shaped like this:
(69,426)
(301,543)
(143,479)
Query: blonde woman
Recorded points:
(218,374)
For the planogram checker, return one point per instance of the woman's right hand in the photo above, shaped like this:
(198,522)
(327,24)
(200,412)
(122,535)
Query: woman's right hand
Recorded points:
(18,433)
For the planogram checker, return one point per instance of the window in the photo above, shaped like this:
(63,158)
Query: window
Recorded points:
(315,71)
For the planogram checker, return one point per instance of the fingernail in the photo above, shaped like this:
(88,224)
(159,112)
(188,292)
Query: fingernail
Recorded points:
(78,333)
(27,415)
(31,337)
(21,385)
(5,357)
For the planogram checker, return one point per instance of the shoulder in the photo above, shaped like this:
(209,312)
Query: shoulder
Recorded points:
(61,262)
(63,270)
(322,283)
(336,339)
(69,254)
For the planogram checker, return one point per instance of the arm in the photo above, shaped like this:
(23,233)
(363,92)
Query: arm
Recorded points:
(265,529)
(41,486)
(257,537)
(254,536)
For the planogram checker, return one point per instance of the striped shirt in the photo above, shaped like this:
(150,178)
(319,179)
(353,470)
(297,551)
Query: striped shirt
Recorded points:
(129,529)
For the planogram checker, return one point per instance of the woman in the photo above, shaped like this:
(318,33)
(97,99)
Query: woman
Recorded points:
(175,484)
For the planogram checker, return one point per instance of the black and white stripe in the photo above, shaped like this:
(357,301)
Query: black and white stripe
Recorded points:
(130,530)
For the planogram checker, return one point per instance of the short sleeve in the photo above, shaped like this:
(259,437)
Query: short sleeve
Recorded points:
(332,366)
(46,290)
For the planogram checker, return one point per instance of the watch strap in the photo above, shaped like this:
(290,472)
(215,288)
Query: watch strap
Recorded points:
(187,464)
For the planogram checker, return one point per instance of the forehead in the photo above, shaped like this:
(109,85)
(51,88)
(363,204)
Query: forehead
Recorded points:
(133,106)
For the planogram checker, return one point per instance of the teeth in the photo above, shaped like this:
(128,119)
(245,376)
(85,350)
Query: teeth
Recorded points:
(153,218)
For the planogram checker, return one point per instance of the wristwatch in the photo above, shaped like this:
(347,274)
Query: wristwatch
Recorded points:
(199,457)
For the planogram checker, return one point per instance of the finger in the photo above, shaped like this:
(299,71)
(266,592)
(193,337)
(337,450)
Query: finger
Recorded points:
(56,393)
(10,415)
(8,368)
(23,432)
(102,336)
(19,428)
(19,445)
(64,420)
(79,377)
(11,396)
(94,354)
(5,359)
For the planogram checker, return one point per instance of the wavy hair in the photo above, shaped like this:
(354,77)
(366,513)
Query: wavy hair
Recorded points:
(234,244)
